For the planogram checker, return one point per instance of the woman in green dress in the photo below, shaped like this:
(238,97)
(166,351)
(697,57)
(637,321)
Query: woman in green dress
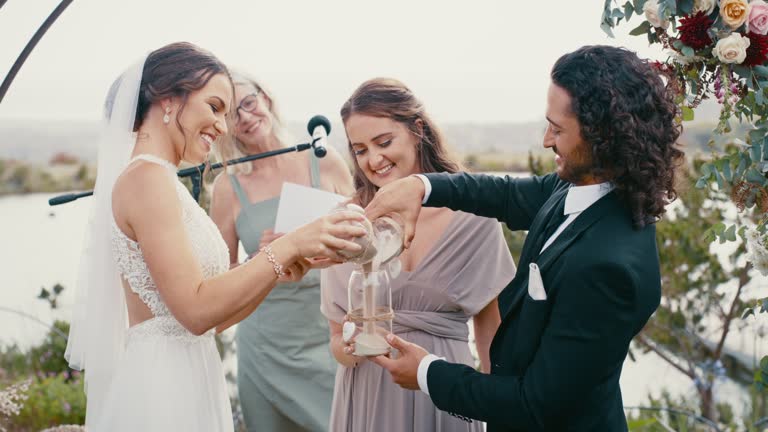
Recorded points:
(285,372)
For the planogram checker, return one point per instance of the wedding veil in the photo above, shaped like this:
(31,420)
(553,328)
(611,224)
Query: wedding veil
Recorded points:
(99,322)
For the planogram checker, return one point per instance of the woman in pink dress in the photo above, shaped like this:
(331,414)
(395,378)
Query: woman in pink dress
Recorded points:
(444,281)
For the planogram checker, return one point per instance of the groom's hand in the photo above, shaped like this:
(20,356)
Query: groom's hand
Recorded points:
(402,196)
(405,367)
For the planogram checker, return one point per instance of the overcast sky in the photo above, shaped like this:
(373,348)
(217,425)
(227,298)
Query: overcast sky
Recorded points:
(484,61)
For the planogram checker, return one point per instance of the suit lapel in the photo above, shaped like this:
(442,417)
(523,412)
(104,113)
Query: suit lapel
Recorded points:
(544,260)
(531,248)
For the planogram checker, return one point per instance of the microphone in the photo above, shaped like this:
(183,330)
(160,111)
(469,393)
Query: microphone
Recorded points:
(62,199)
(319,127)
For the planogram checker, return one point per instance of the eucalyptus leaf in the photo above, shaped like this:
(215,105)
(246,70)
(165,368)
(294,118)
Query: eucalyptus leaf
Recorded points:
(741,71)
(671,6)
(685,7)
(765,148)
(607,29)
(730,233)
(638,5)
(617,13)
(742,166)
(756,135)
(755,176)
(687,113)
(760,70)
(641,29)
(628,10)
(756,151)
(688,51)
(727,173)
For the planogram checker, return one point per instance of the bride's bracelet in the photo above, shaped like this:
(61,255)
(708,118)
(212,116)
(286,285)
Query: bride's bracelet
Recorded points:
(276,266)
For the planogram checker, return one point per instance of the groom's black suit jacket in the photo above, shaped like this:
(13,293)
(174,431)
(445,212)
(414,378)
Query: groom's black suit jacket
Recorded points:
(556,362)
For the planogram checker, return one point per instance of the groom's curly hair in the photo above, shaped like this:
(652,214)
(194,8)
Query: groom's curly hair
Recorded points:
(628,117)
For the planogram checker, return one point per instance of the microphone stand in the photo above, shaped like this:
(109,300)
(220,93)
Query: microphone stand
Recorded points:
(195,173)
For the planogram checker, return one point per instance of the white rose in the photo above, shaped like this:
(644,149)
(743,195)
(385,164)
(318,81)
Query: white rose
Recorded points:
(758,252)
(732,49)
(651,10)
(707,6)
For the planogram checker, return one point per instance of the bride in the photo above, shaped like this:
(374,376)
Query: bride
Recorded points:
(154,285)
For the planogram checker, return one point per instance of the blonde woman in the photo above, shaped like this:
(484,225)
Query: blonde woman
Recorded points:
(285,370)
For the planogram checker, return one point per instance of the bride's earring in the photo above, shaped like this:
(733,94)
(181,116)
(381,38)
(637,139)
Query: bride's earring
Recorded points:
(167,117)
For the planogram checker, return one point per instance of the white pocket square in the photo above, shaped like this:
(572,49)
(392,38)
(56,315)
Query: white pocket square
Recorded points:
(535,284)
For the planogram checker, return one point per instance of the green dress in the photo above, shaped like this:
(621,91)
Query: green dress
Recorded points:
(285,370)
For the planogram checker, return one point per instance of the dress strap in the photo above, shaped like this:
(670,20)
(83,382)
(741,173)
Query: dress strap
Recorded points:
(238,190)
(154,159)
(314,170)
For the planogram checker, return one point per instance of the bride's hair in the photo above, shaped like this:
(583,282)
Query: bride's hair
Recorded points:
(175,70)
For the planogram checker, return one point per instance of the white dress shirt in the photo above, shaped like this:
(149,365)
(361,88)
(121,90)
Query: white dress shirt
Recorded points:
(578,199)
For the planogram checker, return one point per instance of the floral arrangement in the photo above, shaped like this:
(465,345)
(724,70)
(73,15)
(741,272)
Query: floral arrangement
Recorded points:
(12,400)
(717,49)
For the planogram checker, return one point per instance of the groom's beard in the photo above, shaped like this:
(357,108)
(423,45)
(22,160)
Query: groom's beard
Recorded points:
(577,165)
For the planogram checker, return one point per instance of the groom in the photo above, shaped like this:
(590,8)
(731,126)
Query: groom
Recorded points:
(558,353)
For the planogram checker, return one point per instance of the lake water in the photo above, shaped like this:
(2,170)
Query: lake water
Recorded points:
(41,247)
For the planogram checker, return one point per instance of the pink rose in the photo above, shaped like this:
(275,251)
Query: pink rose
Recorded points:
(758,17)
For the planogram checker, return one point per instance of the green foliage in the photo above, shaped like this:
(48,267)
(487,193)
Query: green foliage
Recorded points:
(541,165)
(48,357)
(695,316)
(51,296)
(14,362)
(740,168)
(53,400)
(515,241)
(56,395)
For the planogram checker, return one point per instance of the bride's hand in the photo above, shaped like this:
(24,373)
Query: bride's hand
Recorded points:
(322,262)
(296,271)
(324,237)
(267,237)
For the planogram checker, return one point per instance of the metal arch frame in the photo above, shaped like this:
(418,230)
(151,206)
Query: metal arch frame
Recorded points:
(33,318)
(30,45)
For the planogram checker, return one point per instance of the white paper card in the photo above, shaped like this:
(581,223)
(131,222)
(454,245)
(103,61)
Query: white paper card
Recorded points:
(300,205)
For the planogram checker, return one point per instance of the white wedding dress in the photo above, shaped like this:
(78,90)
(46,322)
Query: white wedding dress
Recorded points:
(168,379)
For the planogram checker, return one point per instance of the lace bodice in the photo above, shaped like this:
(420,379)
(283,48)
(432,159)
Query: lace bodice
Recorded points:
(207,244)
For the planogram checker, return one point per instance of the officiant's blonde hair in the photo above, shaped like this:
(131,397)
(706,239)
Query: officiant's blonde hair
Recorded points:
(232,147)
(390,98)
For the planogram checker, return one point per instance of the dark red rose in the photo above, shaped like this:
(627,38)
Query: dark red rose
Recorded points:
(757,51)
(694,30)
